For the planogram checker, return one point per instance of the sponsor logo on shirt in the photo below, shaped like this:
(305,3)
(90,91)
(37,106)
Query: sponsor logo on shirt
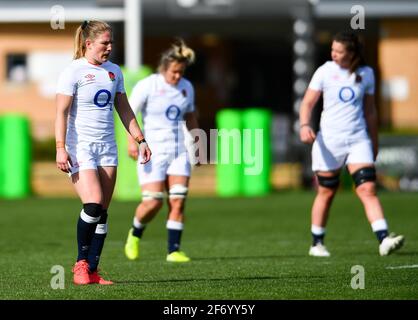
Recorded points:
(173,113)
(112,76)
(184,92)
(346,94)
(89,77)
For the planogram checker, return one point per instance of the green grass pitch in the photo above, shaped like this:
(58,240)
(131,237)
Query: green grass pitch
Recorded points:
(241,248)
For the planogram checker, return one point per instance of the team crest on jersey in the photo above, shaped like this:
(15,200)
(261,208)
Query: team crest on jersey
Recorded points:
(184,93)
(112,76)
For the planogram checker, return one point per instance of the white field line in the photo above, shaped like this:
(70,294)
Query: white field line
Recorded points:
(410,266)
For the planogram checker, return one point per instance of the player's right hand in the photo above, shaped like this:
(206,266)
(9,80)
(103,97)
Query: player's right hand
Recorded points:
(63,160)
(133,150)
(307,135)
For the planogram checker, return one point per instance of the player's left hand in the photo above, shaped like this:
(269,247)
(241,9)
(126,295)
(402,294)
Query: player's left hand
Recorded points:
(145,152)
(307,135)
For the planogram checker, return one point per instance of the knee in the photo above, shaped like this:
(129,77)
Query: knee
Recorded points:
(367,189)
(326,193)
(365,181)
(176,205)
(152,199)
(363,175)
(152,205)
(91,212)
(178,191)
(177,197)
(328,185)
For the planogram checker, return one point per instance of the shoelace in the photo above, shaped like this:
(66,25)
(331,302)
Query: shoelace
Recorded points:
(81,267)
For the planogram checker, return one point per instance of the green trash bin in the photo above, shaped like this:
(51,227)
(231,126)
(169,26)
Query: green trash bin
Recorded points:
(229,153)
(127,187)
(15,156)
(256,148)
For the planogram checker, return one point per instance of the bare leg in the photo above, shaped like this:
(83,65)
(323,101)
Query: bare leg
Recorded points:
(176,205)
(320,210)
(367,195)
(148,209)
(87,185)
(323,201)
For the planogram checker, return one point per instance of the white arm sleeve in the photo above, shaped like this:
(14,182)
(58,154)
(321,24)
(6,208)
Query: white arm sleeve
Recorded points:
(138,96)
(317,82)
(66,82)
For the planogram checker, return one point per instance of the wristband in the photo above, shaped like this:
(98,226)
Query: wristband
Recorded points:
(60,145)
(141,141)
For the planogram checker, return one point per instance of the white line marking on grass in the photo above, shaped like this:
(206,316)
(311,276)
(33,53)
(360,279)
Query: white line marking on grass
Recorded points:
(410,266)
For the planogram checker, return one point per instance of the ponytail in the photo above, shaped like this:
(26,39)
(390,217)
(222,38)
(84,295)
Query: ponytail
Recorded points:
(79,45)
(178,52)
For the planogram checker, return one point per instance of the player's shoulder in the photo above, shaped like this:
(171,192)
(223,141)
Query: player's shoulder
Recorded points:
(72,70)
(113,67)
(366,70)
(185,83)
(328,66)
(74,65)
(145,85)
(325,68)
(152,79)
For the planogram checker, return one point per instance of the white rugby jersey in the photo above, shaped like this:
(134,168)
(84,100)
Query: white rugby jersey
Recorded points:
(163,107)
(343,98)
(93,89)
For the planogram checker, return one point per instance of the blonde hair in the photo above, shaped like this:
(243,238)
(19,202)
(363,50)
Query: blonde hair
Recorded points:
(88,30)
(178,52)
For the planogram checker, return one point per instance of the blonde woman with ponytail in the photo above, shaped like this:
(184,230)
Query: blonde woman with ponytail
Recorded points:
(166,102)
(347,137)
(87,92)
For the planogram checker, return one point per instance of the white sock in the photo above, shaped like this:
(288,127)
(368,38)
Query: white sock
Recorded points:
(138,224)
(379,225)
(174,225)
(317,230)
